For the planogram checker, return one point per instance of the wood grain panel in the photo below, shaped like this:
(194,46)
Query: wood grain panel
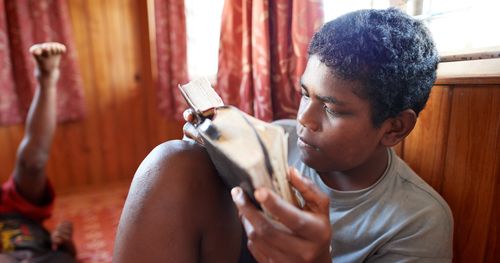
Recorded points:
(163,128)
(78,10)
(493,244)
(9,141)
(471,167)
(424,149)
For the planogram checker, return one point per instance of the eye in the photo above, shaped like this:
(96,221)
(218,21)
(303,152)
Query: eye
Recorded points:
(304,93)
(330,111)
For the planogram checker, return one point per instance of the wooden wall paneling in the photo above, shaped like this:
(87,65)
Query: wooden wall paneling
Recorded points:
(161,129)
(398,148)
(138,89)
(16,134)
(471,166)
(493,244)
(424,149)
(57,167)
(6,157)
(76,155)
(149,70)
(99,37)
(79,14)
(9,142)
(120,83)
(147,24)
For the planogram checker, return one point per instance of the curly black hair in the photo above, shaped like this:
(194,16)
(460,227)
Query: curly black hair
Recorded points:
(390,53)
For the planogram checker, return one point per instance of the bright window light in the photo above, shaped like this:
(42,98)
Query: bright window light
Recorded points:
(456,25)
(203,20)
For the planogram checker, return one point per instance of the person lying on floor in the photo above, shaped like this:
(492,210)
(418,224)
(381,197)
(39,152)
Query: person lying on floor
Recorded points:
(26,199)
(368,75)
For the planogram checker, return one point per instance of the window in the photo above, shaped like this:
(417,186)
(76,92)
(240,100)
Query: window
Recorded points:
(456,25)
(203,19)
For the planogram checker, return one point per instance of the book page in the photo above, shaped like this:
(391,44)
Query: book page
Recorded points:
(275,140)
(200,96)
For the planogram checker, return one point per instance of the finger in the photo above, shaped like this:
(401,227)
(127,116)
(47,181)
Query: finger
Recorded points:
(248,210)
(304,224)
(266,253)
(189,116)
(260,228)
(316,200)
(256,253)
(275,245)
(190,132)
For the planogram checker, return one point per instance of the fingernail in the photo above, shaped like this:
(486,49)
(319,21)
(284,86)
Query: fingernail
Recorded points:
(261,195)
(246,224)
(237,195)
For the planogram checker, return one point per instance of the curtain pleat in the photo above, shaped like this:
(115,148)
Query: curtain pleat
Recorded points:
(263,52)
(22,24)
(171,56)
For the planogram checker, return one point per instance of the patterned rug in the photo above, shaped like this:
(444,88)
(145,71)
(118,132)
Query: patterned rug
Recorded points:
(95,214)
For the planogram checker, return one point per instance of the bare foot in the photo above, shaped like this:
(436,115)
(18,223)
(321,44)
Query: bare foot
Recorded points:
(62,238)
(47,56)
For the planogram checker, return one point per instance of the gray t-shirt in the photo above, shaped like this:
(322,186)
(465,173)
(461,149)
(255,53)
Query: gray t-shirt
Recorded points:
(400,218)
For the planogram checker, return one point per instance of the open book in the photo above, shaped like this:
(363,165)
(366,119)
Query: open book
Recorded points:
(246,152)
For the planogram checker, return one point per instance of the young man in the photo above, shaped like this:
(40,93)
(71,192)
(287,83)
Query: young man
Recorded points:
(27,197)
(368,76)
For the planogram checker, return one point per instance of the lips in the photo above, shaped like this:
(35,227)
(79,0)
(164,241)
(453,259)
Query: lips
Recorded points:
(304,143)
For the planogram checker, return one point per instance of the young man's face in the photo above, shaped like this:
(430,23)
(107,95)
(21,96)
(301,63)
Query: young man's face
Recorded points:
(334,124)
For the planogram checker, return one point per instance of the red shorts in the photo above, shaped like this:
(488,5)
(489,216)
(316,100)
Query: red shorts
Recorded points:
(12,202)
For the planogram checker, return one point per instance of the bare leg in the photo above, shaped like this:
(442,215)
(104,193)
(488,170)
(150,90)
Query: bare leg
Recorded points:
(33,152)
(178,210)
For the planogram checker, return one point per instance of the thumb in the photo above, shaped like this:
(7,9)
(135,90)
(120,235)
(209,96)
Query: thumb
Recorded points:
(190,132)
(315,199)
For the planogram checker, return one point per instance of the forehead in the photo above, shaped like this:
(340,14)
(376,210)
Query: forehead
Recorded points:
(320,79)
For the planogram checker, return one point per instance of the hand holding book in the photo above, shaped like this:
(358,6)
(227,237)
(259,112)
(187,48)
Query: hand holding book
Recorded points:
(189,129)
(246,152)
(289,234)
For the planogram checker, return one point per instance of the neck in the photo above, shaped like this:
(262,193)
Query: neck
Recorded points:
(360,177)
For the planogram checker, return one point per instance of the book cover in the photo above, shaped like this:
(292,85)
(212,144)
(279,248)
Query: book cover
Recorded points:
(246,151)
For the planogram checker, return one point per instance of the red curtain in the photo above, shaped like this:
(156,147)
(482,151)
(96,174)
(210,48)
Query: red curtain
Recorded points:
(263,52)
(22,24)
(171,56)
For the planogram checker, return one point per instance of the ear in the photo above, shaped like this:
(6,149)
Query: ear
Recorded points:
(397,128)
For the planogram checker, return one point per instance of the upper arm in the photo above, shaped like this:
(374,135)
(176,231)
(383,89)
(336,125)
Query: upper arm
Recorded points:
(172,206)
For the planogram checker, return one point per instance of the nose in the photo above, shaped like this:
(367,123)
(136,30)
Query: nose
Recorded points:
(307,117)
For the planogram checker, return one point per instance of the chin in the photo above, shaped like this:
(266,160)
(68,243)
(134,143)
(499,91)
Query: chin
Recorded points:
(314,163)
(319,164)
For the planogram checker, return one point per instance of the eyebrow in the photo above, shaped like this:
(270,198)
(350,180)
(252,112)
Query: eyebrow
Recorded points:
(327,99)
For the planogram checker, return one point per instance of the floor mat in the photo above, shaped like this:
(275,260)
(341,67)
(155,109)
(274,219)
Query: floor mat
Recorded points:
(95,214)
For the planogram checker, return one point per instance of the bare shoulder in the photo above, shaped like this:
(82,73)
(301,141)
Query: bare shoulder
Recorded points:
(177,209)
